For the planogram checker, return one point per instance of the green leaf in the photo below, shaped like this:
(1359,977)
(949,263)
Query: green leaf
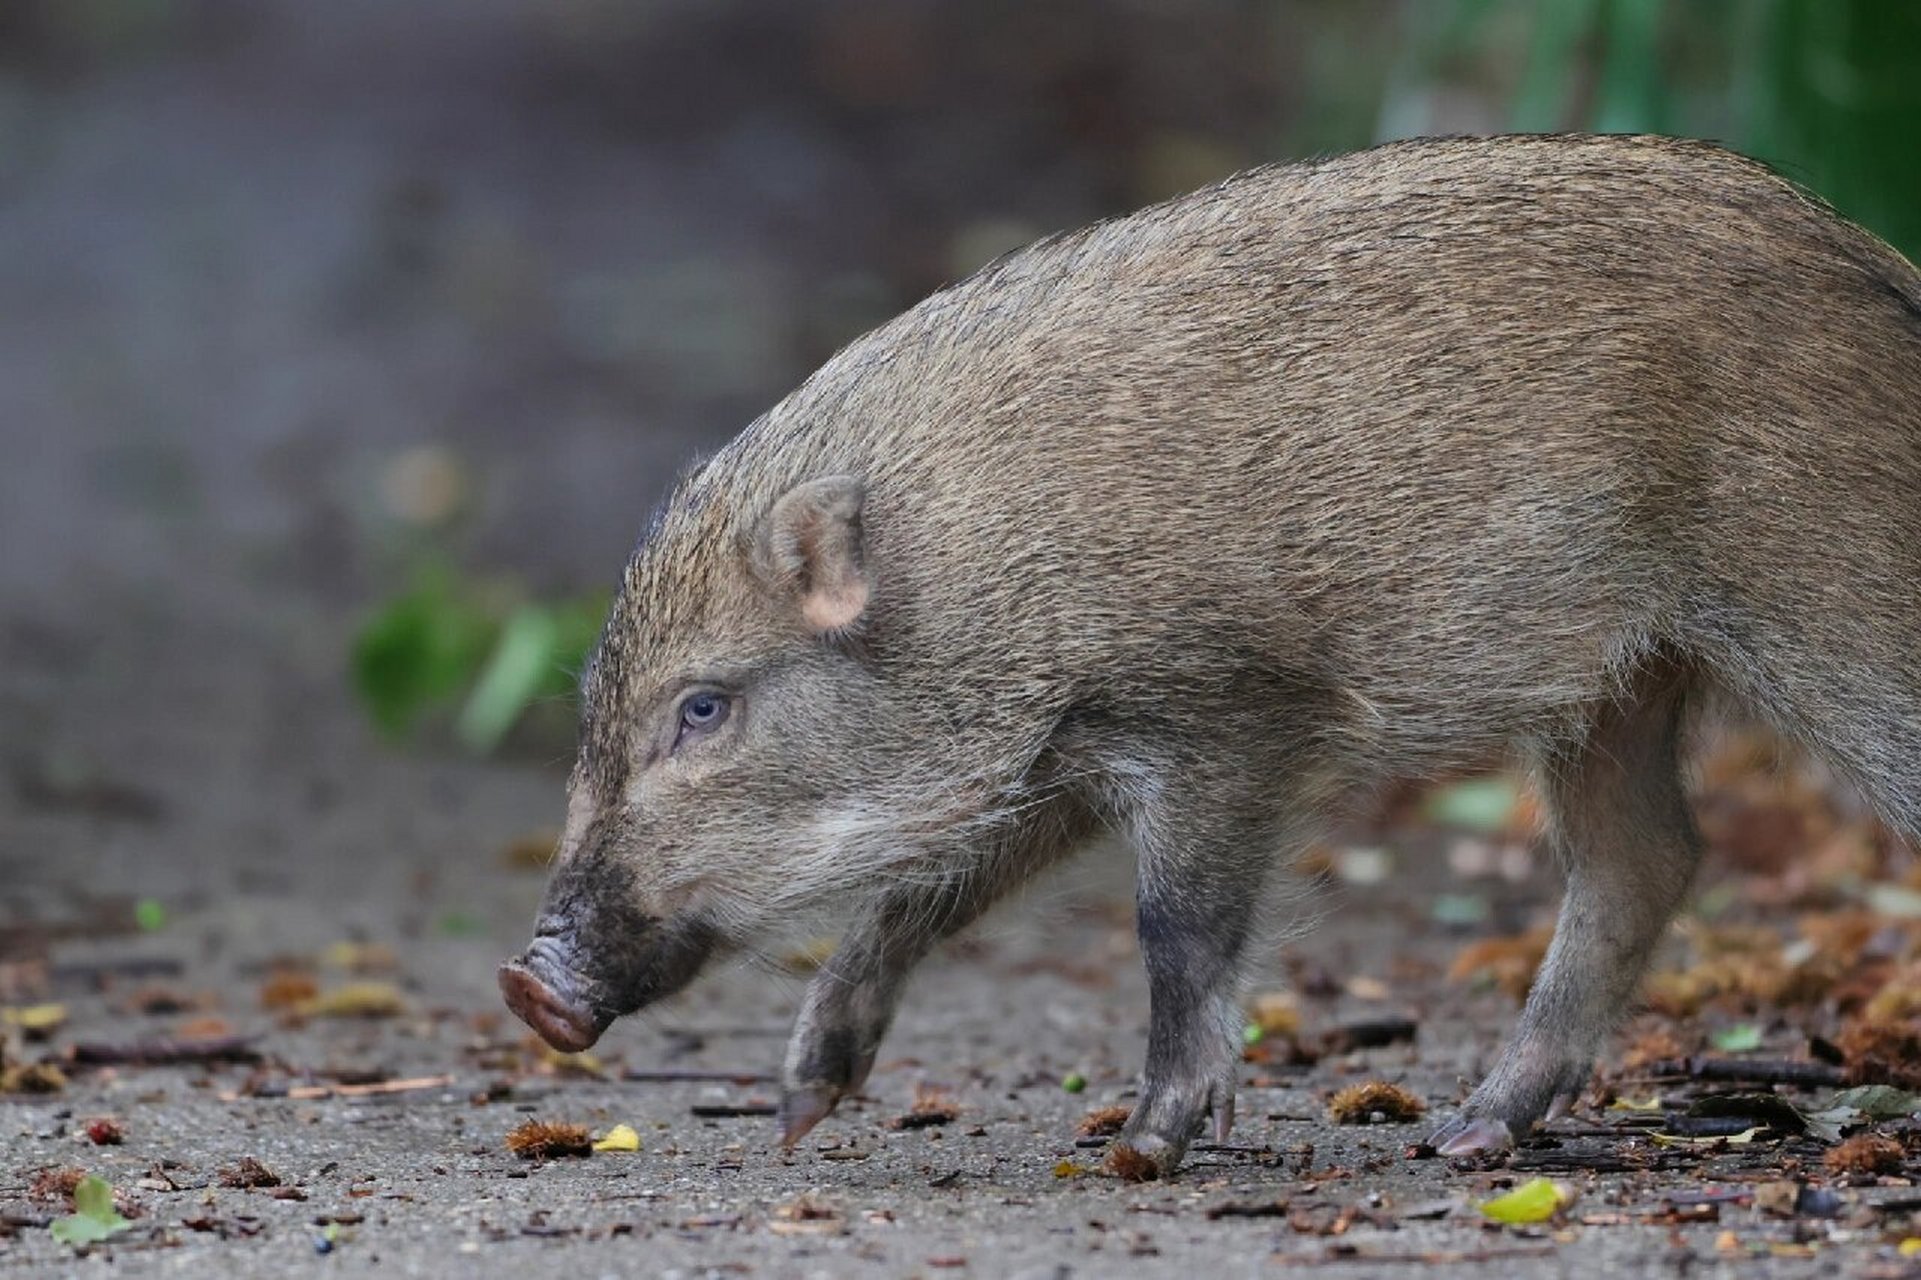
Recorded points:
(94,1217)
(1878,1101)
(1461,909)
(1534,1201)
(1479,804)
(523,655)
(420,650)
(150,915)
(1743,1037)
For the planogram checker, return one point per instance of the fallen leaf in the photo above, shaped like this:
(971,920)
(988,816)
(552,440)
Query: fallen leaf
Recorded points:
(94,1217)
(287,989)
(1533,1201)
(356,1000)
(1630,1104)
(1744,1037)
(35,1021)
(1276,1013)
(619,1138)
(1878,1101)
(1741,1139)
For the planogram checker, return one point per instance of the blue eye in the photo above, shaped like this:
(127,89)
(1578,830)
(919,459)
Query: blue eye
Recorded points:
(701,712)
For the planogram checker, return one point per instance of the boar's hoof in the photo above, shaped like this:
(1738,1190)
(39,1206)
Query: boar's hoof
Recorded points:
(803,1108)
(568,1025)
(1469,1135)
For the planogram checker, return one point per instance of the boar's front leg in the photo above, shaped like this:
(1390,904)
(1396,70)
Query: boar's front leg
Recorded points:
(1203,866)
(1620,825)
(851,1002)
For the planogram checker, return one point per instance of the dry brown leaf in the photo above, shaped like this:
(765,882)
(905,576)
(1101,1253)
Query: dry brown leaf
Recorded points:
(356,1000)
(287,989)
(1508,962)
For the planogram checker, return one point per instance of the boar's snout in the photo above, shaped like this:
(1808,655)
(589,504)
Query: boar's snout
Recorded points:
(550,995)
(569,988)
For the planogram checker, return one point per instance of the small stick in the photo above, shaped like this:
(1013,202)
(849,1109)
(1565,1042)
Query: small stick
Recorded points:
(162,1051)
(308,1092)
(1789,1071)
(669,1075)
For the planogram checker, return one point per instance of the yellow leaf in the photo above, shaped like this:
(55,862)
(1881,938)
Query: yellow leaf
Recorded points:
(1740,1139)
(356,1000)
(1909,1247)
(1535,1201)
(1068,1169)
(619,1138)
(35,1019)
(1629,1104)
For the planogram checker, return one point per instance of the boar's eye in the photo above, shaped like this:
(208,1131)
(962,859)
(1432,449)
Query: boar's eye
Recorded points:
(701,712)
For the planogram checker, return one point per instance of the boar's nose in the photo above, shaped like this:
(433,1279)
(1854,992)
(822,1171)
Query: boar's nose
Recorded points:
(548,994)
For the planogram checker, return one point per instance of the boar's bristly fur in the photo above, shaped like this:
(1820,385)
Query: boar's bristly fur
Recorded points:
(1197,525)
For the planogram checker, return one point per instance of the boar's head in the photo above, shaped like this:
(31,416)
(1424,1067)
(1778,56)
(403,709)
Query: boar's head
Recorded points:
(732,727)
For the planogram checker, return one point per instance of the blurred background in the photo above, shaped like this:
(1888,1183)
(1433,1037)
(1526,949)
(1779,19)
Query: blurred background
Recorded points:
(344,347)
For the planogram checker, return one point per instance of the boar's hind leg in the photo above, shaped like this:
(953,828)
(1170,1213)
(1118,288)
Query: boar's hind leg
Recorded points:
(850,1003)
(1620,825)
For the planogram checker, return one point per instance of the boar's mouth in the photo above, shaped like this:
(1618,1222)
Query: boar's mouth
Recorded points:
(569,1004)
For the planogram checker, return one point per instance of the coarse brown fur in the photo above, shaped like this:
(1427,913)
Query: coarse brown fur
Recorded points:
(1195,524)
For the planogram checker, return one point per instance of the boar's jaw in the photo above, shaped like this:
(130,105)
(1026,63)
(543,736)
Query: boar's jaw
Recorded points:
(569,1003)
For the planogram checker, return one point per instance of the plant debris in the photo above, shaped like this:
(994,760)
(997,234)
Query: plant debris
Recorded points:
(932,1106)
(1104,1122)
(286,990)
(1865,1153)
(55,1185)
(105,1131)
(32,1077)
(1129,1165)
(1375,1102)
(542,1140)
(247,1174)
(807,1214)
(1882,1052)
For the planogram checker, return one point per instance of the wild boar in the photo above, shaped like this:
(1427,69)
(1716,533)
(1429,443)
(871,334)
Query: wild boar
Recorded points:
(1199,525)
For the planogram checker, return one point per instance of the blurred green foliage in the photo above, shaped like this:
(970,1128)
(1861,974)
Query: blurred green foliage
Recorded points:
(1827,91)
(474,650)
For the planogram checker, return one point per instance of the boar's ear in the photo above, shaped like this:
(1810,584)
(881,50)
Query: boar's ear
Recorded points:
(810,548)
